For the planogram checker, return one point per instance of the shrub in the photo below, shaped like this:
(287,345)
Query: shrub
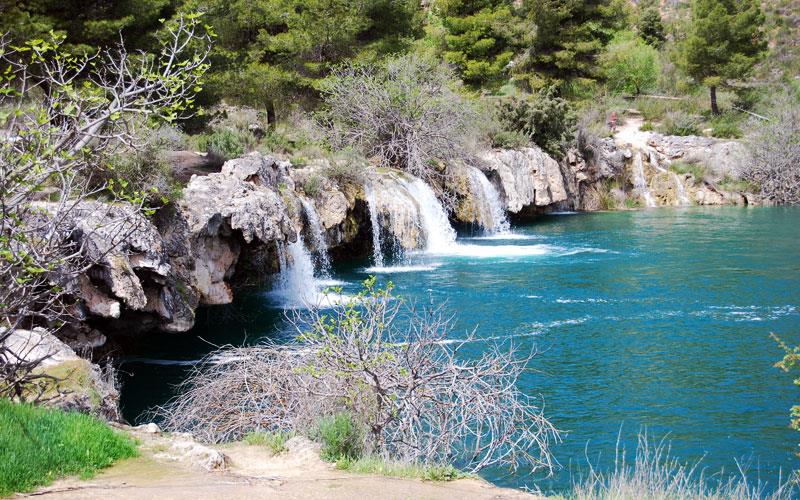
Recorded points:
(679,123)
(407,112)
(726,126)
(390,368)
(342,438)
(774,146)
(346,167)
(146,169)
(697,170)
(647,127)
(509,139)
(39,445)
(546,120)
(227,143)
(630,65)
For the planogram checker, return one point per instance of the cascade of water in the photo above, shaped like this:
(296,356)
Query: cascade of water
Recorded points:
(377,255)
(488,202)
(683,199)
(296,283)
(439,234)
(318,238)
(640,181)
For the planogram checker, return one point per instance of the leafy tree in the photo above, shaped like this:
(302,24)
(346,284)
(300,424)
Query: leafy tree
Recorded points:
(650,26)
(630,65)
(789,363)
(725,41)
(480,38)
(570,34)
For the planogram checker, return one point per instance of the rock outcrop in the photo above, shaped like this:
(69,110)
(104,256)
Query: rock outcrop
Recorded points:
(527,178)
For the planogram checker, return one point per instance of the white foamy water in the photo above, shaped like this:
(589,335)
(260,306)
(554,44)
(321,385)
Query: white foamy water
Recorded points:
(318,238)
(377,254)
(505,237)
(683,199)
(640,181)
(488,202)
(401,268)
(297,288)
(439,234)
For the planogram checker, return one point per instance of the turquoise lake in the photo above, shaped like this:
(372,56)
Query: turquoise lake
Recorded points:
(652,319)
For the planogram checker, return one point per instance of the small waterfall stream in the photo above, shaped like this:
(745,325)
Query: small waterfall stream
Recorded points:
(683,198)
(377,254)
(640,181)
(439,234)
(296,284)
(489,204)
(317,234)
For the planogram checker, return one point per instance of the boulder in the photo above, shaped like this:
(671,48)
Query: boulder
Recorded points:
(527,177)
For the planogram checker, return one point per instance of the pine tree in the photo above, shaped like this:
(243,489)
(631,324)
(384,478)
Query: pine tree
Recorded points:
(481,38)
(725,41)
(650,26)
(569,36)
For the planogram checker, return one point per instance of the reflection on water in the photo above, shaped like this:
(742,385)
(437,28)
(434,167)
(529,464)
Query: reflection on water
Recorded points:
(656,319)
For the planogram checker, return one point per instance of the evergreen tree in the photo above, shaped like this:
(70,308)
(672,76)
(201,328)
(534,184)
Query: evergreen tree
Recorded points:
(649,24)
(725,41)
(569,36)
(273,51)
(481,38)
(87,25)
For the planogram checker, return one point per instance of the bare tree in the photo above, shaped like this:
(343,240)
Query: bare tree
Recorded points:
(390,365)
(774,145)
(407,112)
(60,116)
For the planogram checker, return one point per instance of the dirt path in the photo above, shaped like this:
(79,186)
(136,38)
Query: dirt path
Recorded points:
(253,472)
(629,134)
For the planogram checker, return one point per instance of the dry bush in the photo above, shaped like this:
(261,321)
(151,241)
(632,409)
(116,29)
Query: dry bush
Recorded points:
(774,163)
(394,369)
(407,112)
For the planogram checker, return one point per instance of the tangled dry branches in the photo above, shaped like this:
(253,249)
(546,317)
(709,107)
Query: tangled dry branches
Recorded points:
(390,365)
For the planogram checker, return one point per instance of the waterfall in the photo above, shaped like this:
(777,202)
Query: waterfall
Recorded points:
(683,199)
(439,234)
(296,284)
(317,235)
(377,255)
(488,203)
(640,181)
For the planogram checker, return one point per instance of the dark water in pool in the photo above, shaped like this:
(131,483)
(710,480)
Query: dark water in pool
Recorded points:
(652,319)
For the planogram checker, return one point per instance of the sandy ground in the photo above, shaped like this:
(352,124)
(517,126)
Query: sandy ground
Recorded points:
(629,134)
(253,472)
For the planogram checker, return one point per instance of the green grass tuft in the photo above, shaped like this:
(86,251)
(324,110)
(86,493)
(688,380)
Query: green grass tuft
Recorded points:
(371,465)
(275,441)
(341,437)
(39,445)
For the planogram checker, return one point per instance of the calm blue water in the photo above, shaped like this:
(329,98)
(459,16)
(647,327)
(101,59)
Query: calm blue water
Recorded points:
(652,319)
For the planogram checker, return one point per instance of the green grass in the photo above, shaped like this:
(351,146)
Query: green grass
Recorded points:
(275,441)
(370,465)
(341,437)
(697,170)
(39,445)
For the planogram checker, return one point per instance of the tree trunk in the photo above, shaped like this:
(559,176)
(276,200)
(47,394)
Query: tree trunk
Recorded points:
(714,107)
(270,114)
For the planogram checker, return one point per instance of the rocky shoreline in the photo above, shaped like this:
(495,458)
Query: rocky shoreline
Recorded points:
(230,229)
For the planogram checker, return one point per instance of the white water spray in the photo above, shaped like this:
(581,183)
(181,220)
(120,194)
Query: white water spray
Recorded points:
(439,234)
(296,284)
(683,199)
(488,203)
(377,255)
(640,181)
(317,238)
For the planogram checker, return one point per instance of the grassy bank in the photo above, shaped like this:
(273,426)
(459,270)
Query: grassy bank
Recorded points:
(39,445)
